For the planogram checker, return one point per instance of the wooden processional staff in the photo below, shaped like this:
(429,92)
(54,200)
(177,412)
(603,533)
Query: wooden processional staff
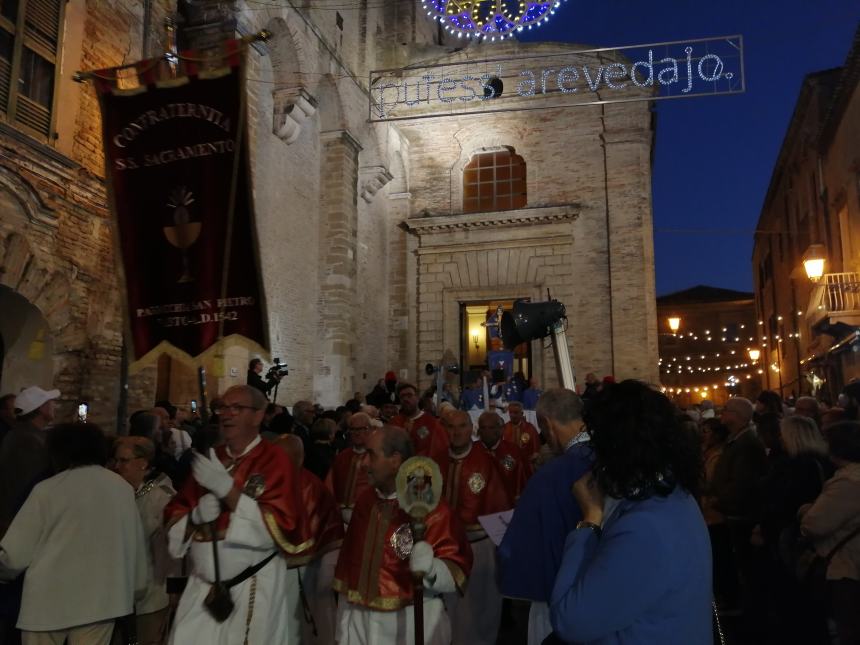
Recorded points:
(419,489)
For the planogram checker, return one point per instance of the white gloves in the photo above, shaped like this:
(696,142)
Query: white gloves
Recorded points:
(421,558)
(437,577)
(207,510)
(211,474)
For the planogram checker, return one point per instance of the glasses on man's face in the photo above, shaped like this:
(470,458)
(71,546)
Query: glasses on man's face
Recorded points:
(234,408)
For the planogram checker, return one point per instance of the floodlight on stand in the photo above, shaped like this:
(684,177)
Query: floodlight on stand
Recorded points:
(530,320)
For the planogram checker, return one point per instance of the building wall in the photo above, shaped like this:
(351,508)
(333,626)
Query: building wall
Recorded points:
(812,199)
(56,252)
(840,172)
(585,233)
(352,288)
(56,244)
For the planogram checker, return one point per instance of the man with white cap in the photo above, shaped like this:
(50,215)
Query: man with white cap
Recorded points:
(23,457)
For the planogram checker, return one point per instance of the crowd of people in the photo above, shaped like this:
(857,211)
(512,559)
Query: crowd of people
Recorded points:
(627,520)
(781,499)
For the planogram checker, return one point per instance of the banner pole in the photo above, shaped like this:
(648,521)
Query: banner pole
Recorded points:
(234,182)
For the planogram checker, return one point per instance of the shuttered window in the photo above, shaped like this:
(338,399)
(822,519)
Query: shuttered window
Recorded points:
(29,52)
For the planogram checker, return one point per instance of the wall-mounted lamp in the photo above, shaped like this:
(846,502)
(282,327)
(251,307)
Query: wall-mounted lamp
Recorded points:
(674,323)
(475,339)
(813,262)
(754,354)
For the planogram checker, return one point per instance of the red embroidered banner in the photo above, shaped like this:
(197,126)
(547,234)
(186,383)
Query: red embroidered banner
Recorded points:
(175,162)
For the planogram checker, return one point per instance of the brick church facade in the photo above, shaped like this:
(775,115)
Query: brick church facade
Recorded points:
(377,246)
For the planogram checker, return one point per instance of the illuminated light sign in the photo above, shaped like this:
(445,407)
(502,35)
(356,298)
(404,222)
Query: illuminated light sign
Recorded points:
(489,19)
(679,69)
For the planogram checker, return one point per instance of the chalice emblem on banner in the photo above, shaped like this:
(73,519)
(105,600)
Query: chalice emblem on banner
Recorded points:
(184,232)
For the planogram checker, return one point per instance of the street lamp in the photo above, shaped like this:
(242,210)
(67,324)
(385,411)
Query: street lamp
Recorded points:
(674,323)
(754,354)
(813,262)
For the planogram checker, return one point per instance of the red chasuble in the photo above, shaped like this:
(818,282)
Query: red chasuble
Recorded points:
(427,434)
(373,567)
(524,437)
(474,486)
(346,478)
(267,475)
(324,521)
(515,469)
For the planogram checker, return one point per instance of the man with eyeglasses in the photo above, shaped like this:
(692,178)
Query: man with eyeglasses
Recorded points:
(247,490)
(346,478)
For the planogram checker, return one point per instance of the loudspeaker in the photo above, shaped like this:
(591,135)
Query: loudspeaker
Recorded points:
(530,320)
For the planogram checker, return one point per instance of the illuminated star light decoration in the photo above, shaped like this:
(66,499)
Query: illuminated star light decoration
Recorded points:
(489,19)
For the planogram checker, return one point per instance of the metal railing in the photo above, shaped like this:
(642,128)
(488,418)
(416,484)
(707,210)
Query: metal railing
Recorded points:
(841,292)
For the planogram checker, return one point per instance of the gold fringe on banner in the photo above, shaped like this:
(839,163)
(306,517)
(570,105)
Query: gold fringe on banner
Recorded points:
(173,58)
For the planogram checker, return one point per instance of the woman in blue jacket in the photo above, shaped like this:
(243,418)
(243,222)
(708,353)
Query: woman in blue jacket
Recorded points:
(637,569)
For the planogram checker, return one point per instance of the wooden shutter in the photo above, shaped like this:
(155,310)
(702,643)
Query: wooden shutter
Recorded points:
(41,40)
(7,49)
(42,27)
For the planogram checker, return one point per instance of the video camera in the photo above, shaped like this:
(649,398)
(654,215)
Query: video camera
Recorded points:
(278,370)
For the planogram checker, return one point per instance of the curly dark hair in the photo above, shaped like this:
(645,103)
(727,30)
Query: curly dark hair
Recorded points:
(71,445)
(642,444)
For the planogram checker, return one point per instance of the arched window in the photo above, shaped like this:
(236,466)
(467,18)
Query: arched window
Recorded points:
(494,181)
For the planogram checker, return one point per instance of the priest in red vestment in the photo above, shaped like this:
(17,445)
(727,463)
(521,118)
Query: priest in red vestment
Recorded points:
(521,433)
(515,469)
(374,571)
(250,490)
(346,478)
(474,487)
(427,434)
(315,568)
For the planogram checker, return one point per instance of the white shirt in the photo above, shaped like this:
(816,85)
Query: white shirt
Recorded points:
(80,540)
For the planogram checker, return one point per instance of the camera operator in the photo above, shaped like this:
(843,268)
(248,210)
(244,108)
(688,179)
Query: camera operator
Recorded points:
(255,369)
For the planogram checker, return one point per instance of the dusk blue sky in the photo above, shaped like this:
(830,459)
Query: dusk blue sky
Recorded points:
(714,155)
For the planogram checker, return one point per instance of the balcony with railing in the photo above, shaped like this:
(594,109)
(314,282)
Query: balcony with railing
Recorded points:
(836,296)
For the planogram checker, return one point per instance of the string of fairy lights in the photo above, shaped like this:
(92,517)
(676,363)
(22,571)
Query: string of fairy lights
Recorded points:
(489,19)
(686,354)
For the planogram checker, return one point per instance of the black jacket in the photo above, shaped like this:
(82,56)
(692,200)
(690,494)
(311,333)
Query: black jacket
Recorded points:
(255,380)
(736,477)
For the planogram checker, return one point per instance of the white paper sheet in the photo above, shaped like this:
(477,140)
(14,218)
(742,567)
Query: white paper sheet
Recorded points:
(496,525)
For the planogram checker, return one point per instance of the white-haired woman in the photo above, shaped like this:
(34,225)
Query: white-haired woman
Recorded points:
(794,479)
(152,491)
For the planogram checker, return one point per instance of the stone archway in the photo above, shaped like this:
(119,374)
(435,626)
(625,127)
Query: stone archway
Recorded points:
(34,299)
(22,272)
(27,344)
